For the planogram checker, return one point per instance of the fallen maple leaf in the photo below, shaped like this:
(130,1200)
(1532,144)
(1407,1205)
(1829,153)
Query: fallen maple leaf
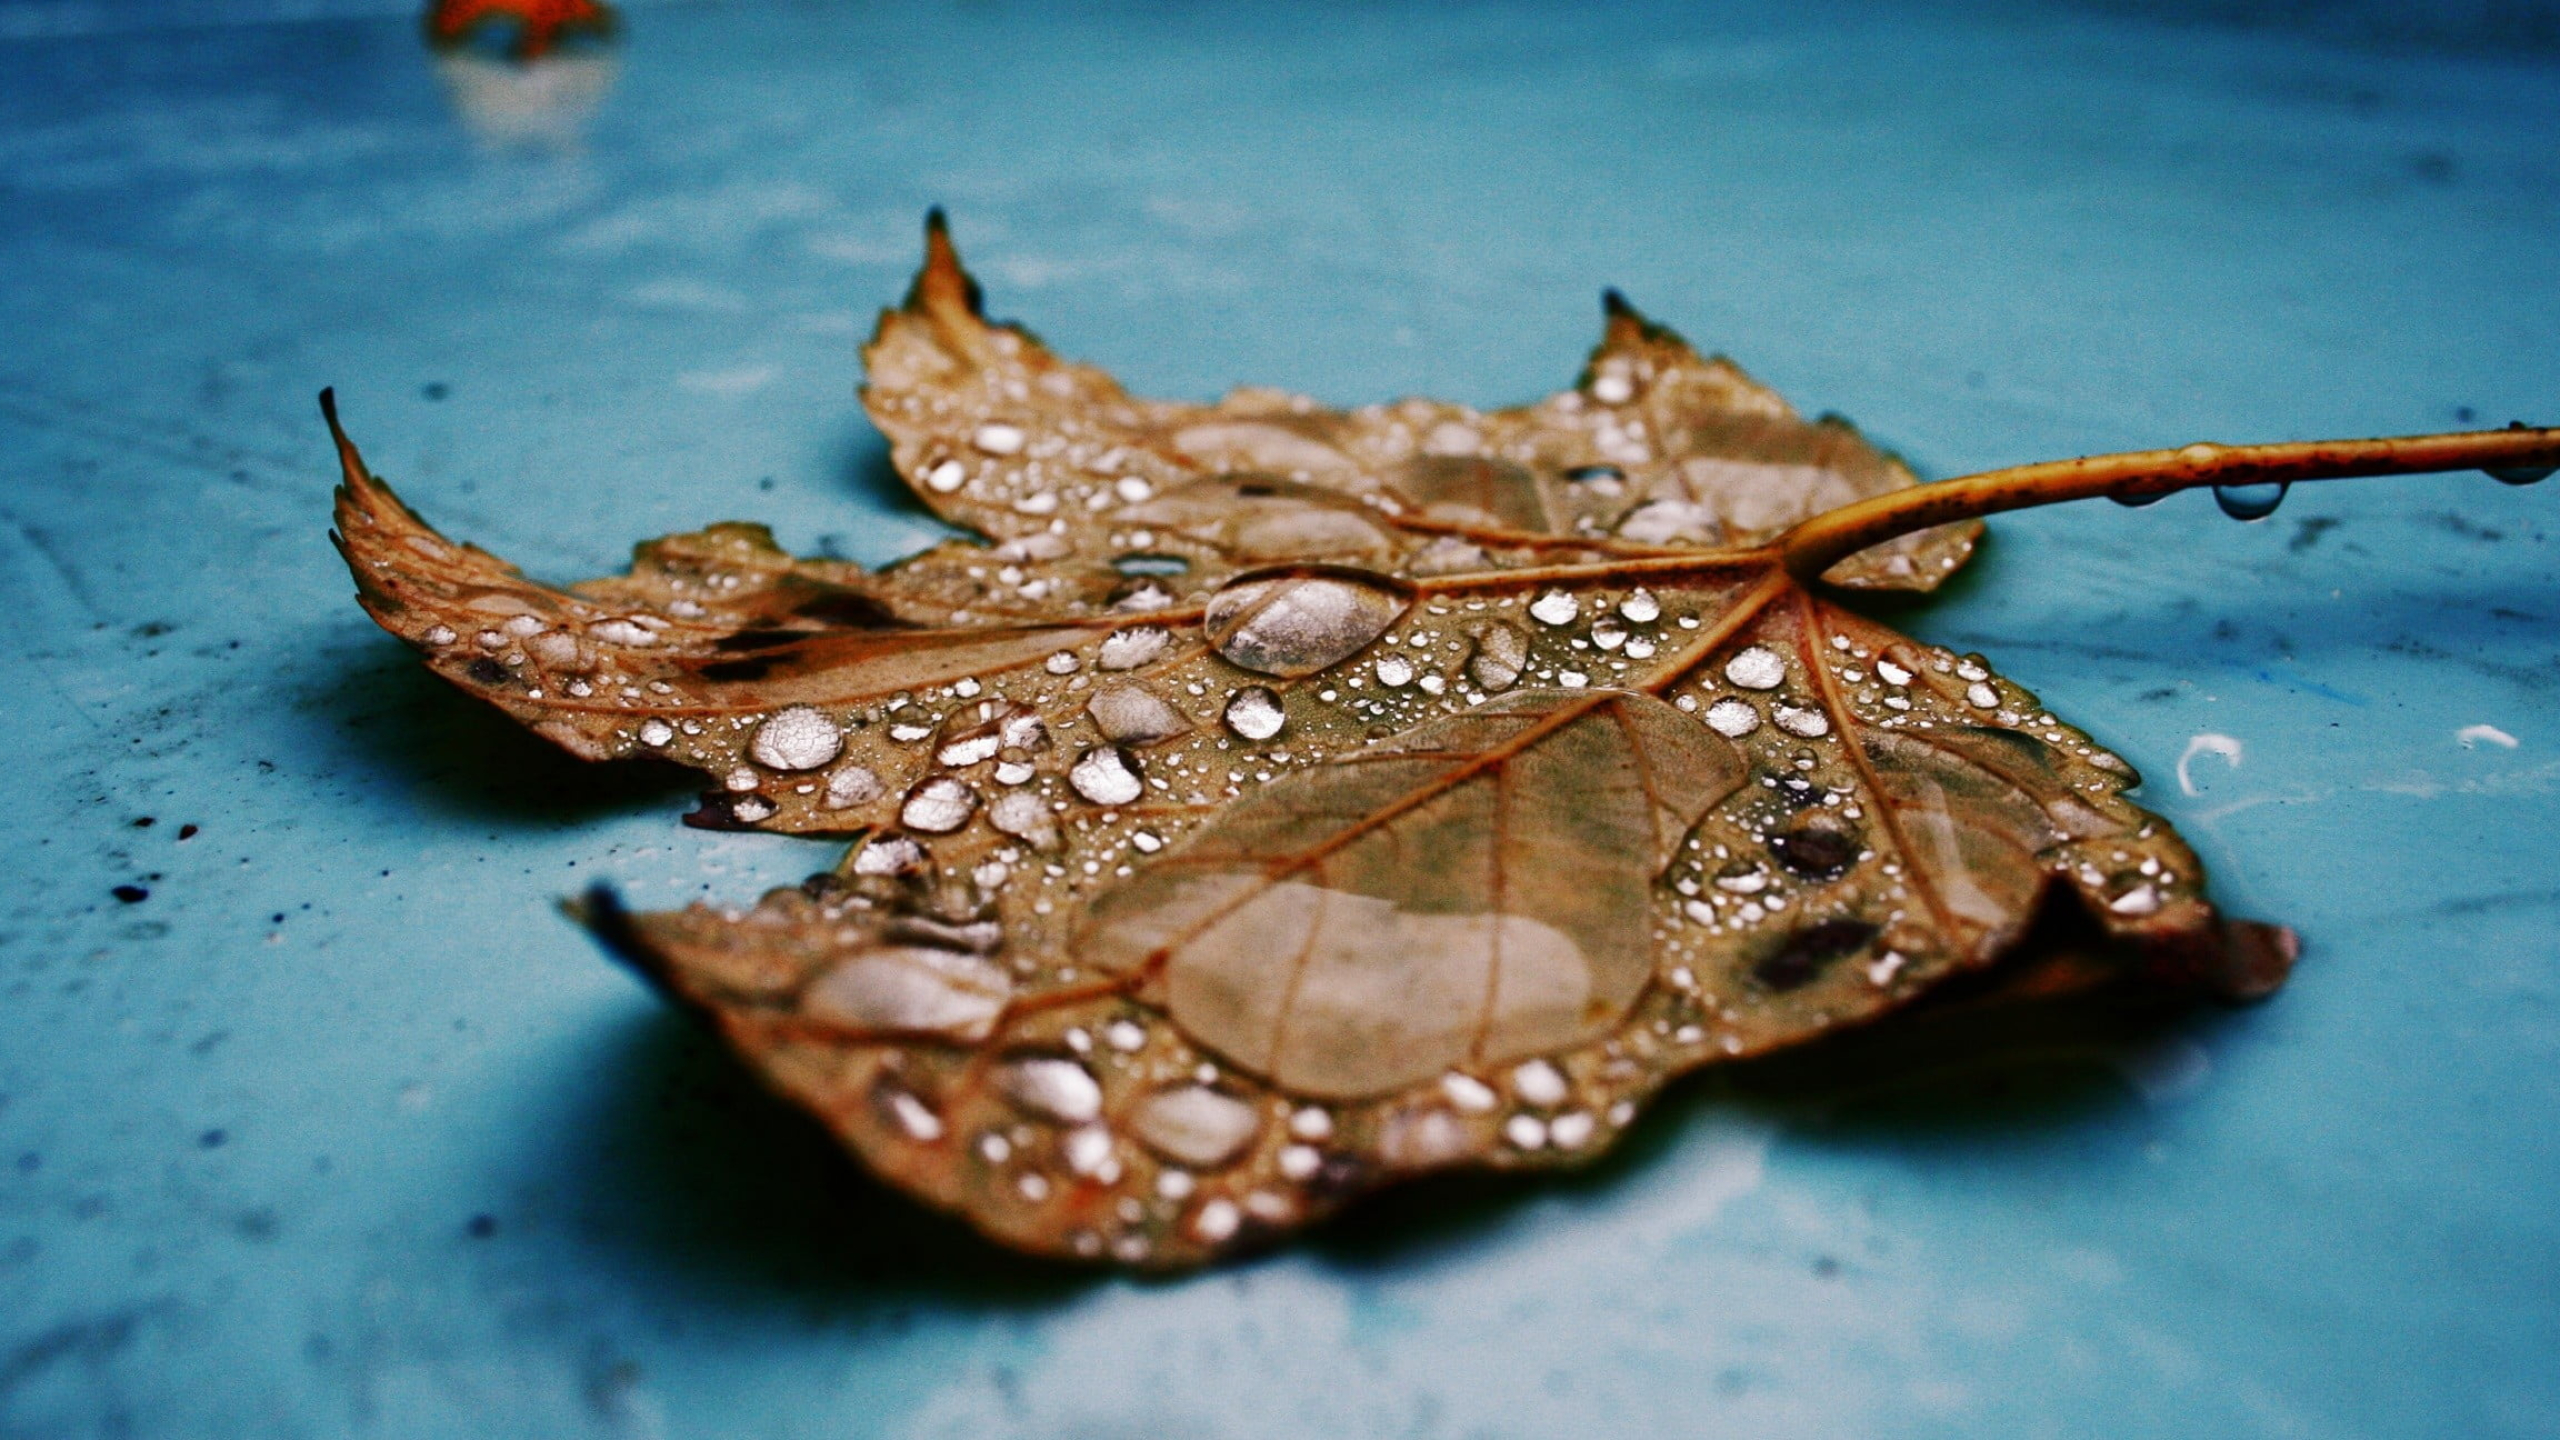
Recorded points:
(1288,801)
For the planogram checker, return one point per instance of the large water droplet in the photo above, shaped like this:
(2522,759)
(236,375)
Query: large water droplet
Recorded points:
(1808,723)
(889,855)
(1556,607)
(1023,815)
(1255,714)
(1129,649)
(911,989)
(1134,715)
(799,738)
(853,785)
(1732,718)
(1293,625)
(1540,1084)
(938,806)
(1664,522)
(1502,652)
(1196,1126)
(1057,1088)
(2519,474)
(1757,668)
(1106,775)
(2250,502)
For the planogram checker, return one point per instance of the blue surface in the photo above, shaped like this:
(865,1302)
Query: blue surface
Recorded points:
(343,1131)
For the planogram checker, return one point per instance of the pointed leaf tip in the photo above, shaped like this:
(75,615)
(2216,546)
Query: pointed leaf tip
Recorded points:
(1613,303)
(944,281)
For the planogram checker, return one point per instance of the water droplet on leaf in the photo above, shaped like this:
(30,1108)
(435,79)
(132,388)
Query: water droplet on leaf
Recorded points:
(1058,1089)
(1293,625)
(1732,718)
(1106,775)
(1254,713)
(1757,668)
(938,806)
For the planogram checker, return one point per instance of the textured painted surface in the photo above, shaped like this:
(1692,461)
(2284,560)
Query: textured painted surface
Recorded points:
(341,1130)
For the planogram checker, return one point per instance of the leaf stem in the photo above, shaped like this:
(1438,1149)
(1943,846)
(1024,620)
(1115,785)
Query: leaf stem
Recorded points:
(1823,541)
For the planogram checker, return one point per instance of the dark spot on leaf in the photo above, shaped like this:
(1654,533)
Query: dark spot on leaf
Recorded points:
(1814,854)
(759,639)
(2027,746)
(487,671)
(850,609)
(1807,953)
(753,667)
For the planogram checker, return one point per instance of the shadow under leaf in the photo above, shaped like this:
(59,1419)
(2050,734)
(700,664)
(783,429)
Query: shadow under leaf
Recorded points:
(457,755)
(694,1164)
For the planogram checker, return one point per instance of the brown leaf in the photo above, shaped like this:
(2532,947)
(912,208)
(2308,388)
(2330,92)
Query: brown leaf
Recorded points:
(1655,448)
(1714,817)
(1391,817)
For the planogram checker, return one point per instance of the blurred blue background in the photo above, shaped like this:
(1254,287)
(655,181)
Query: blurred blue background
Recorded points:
(342,1130)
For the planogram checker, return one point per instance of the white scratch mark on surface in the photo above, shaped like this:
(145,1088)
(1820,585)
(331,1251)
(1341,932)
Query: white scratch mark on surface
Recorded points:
(2207,743)
(2470,736)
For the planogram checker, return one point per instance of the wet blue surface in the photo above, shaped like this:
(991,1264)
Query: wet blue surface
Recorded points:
(342,1130)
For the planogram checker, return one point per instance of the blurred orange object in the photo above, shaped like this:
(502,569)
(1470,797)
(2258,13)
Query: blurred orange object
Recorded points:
(539,23)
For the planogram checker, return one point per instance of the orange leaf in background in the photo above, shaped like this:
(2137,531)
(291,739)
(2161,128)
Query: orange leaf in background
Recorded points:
(539,24)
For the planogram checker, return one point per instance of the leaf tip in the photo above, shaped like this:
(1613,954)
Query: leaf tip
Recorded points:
(357,479)
(2254,961)
(610,923)
(944,286)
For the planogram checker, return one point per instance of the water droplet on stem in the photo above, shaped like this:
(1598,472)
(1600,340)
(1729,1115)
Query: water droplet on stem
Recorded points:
(2250,502)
